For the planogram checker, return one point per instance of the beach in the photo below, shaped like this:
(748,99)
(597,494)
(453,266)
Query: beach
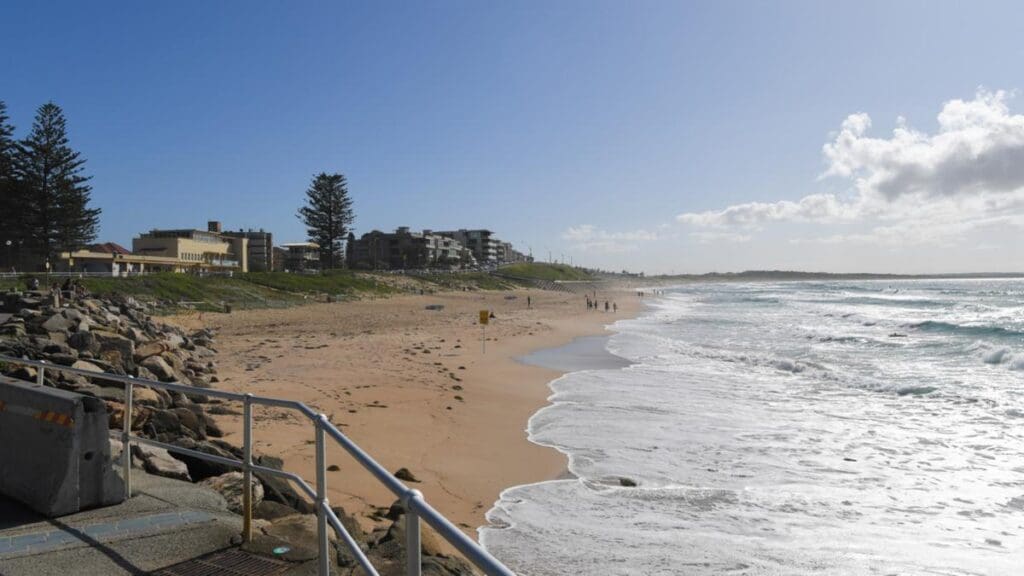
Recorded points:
(412,386)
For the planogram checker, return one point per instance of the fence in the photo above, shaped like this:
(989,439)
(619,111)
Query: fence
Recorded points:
(416,507)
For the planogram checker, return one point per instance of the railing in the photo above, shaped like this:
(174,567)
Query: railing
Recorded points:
(416,507)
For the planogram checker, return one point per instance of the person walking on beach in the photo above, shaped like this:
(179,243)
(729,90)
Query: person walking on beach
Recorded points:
(529,303)
(615,308)
(605,305)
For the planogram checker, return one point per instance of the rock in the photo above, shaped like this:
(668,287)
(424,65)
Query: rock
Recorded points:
(278,489)
(174,361)
(230,486)
(149,349)
(88,366)
(430,543)
(627,482)
(202,469)
(27,373)
(163,422)
(116,349)
(350,523)
(405,474)
(189,419)
(62,359)
(57,323)
(297,532)
(160,462)
(269,510)
(149,397)
(84,342)
(159,368)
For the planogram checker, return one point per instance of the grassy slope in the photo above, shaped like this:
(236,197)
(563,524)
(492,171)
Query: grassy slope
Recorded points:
(271,289)
(542,271)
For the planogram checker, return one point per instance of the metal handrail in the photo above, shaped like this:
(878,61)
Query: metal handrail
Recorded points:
(412,500)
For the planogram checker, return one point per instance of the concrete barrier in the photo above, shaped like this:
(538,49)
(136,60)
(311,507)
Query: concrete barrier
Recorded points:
(55,449)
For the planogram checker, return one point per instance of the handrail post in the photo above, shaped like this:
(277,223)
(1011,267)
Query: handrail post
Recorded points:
(41,375)
(413,562)
(126,434)
(323,561)
(247,470)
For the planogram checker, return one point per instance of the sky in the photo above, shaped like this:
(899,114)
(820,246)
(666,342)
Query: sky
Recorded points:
(665,137)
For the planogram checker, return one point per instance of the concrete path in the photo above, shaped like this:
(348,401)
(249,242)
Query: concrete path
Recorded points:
(165,522)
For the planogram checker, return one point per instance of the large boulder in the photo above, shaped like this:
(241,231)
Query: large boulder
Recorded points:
(160,462)
(202,469)
(84,342)
(278,489)
(87,366)
(148,349)
(159,368)
(230,486)
(58,323)
(116,350)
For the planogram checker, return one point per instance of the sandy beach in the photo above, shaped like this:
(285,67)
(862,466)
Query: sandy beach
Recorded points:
(412,386)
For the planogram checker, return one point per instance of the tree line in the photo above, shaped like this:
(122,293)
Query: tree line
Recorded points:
(45,198)
(44,193)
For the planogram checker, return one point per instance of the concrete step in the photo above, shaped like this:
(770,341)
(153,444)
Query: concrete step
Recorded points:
(164,523)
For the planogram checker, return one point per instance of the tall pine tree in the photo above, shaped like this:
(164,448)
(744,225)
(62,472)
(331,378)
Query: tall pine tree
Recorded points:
(10,221)
(55,192)
(328,215)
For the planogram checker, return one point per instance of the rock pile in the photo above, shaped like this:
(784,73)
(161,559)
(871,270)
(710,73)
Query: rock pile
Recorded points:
(119,336)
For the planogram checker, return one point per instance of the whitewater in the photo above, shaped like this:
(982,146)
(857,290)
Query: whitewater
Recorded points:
(839,428)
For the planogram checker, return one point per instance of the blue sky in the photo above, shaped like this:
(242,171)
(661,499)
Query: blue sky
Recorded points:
(617,133)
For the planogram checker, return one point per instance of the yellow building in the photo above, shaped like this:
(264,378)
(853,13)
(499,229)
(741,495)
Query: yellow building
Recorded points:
(203,250)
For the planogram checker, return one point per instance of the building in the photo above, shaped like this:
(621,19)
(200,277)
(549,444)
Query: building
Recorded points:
(482,243)
(89,261)
(301,256)
(260,252)
(201,250)
(404,249)
(280,259)
(509,255)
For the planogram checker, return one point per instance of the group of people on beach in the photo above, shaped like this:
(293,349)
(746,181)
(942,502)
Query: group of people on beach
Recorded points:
(641,293)
(593,304)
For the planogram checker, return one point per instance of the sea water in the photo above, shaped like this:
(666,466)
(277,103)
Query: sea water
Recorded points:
(788,428)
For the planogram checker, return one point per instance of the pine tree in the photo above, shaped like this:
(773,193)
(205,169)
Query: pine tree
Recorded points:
(328,215)
(56,193)
(10,214)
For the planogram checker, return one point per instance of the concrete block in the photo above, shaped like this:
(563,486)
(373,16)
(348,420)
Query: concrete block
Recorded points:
(55,449)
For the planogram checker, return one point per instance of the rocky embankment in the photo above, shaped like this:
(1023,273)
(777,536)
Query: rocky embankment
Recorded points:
(119,336)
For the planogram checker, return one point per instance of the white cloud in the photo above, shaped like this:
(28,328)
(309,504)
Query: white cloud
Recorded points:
(927,188)
(816,207)
(587,237)
(716,237)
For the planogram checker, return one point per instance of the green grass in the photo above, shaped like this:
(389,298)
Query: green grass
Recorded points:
(542,271)
(253,290)
(340,282)
(277,289)
(463,280)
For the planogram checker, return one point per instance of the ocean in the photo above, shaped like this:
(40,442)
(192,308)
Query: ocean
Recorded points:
(836,428)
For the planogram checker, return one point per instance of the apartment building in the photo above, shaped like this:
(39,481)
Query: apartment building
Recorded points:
(260,251)
(482,243)
(301,256)
(403,249)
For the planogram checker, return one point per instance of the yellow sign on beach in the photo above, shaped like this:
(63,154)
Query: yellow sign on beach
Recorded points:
(485,315)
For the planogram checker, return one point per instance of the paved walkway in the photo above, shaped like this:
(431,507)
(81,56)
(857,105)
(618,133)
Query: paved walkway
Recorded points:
(166,522)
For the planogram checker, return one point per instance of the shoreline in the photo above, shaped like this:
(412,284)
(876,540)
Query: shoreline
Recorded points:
(412,387)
